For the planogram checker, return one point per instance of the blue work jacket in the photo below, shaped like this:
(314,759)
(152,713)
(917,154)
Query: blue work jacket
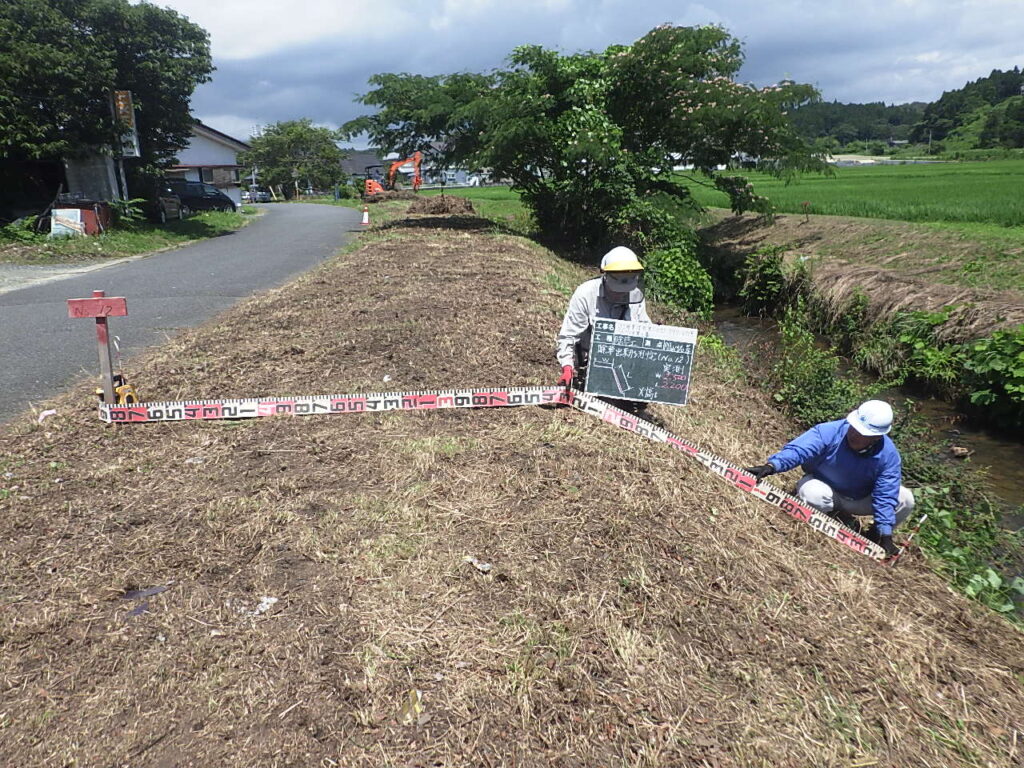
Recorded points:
(825,455)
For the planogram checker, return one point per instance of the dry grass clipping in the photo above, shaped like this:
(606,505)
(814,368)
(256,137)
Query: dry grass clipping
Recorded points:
(639,612)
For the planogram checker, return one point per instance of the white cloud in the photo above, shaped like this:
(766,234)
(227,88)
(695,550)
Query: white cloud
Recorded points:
(243,29)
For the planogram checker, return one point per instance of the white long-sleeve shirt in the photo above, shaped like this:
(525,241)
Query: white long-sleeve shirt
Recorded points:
(589,302)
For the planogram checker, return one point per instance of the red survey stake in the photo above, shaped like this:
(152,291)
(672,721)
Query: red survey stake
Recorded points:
(101,307)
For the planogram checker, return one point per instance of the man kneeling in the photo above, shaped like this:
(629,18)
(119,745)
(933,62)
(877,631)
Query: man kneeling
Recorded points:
(851,467)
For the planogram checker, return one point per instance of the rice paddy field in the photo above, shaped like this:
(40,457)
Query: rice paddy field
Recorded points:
(950,192)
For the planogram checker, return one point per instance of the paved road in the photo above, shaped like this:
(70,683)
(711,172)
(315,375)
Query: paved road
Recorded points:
(42,350)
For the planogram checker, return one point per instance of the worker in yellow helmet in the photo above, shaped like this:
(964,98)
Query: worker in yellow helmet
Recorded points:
(617,294)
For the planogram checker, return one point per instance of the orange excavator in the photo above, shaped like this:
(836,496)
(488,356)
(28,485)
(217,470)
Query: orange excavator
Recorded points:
(374,187)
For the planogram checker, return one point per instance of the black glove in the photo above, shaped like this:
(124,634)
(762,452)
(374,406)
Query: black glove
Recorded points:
(890,548)
(761,471)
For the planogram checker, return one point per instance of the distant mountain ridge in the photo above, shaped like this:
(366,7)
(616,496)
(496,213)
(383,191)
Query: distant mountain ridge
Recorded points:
(985,113)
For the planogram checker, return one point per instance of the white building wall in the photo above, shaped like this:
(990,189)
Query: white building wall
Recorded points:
(204,151)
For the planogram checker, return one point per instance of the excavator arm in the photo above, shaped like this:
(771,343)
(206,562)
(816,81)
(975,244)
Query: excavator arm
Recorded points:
(417,179)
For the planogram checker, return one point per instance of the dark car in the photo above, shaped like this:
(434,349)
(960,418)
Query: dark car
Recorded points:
(163,205)
(199,196)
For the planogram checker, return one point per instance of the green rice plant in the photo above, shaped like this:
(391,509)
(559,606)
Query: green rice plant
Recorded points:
(939,192)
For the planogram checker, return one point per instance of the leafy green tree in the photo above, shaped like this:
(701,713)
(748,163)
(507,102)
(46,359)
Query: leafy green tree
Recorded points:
(295,152)
(590,140)
(60,60)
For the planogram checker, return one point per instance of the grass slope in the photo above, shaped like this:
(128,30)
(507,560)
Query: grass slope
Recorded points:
(897,265)
(640,612)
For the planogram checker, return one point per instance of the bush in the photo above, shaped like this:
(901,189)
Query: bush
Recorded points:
(23,230)
(646,225)
(676,278)
(350,191)
(997,380)
(764,281)
(806,378)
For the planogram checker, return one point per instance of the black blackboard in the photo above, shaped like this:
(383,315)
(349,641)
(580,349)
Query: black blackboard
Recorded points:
(640,361)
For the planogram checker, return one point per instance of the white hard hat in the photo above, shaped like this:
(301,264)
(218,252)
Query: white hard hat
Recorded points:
(621,259)
(873,417)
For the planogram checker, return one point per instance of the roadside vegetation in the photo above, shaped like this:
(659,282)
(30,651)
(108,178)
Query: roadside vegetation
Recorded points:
(21,244)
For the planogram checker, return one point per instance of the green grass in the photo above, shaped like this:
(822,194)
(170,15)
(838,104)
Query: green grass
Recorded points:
(124,240)
(951,193)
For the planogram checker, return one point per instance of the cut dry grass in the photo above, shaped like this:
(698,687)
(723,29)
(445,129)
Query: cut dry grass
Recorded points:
(639,611)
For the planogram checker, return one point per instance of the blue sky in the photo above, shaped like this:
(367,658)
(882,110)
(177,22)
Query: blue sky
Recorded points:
(288,59)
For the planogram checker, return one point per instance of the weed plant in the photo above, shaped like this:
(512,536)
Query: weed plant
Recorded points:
(765,283)
(806,379)
(963,536)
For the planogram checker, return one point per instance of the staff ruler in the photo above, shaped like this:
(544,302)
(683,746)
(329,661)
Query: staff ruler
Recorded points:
(380,402)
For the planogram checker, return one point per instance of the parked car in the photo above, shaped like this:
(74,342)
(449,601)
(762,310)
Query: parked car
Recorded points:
(256,195)
(199,196)
(163,205)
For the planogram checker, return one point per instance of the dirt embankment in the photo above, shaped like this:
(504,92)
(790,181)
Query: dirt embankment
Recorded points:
(639,611)
(898,266)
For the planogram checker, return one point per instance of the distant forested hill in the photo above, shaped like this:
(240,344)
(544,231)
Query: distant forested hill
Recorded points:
(985,114)
(857,122)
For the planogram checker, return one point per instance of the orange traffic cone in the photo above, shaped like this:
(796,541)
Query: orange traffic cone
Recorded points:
(366,215)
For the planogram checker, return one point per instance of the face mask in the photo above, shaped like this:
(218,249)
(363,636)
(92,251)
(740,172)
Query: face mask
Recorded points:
(620,288)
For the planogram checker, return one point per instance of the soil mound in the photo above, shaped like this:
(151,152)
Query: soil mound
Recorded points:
(441,205)
(296,590)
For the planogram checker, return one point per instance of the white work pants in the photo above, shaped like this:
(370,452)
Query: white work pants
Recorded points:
(820,495)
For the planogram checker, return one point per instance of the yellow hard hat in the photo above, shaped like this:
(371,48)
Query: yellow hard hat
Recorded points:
(621,259)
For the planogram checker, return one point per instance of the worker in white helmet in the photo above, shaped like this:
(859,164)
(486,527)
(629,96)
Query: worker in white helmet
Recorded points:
(851,467)
(616,294)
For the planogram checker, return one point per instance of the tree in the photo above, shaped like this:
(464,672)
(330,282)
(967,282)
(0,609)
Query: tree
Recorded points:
(61,59)
(590,140)
(295,151)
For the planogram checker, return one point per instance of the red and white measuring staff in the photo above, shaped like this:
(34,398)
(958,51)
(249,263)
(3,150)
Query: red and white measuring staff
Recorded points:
(379,402)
